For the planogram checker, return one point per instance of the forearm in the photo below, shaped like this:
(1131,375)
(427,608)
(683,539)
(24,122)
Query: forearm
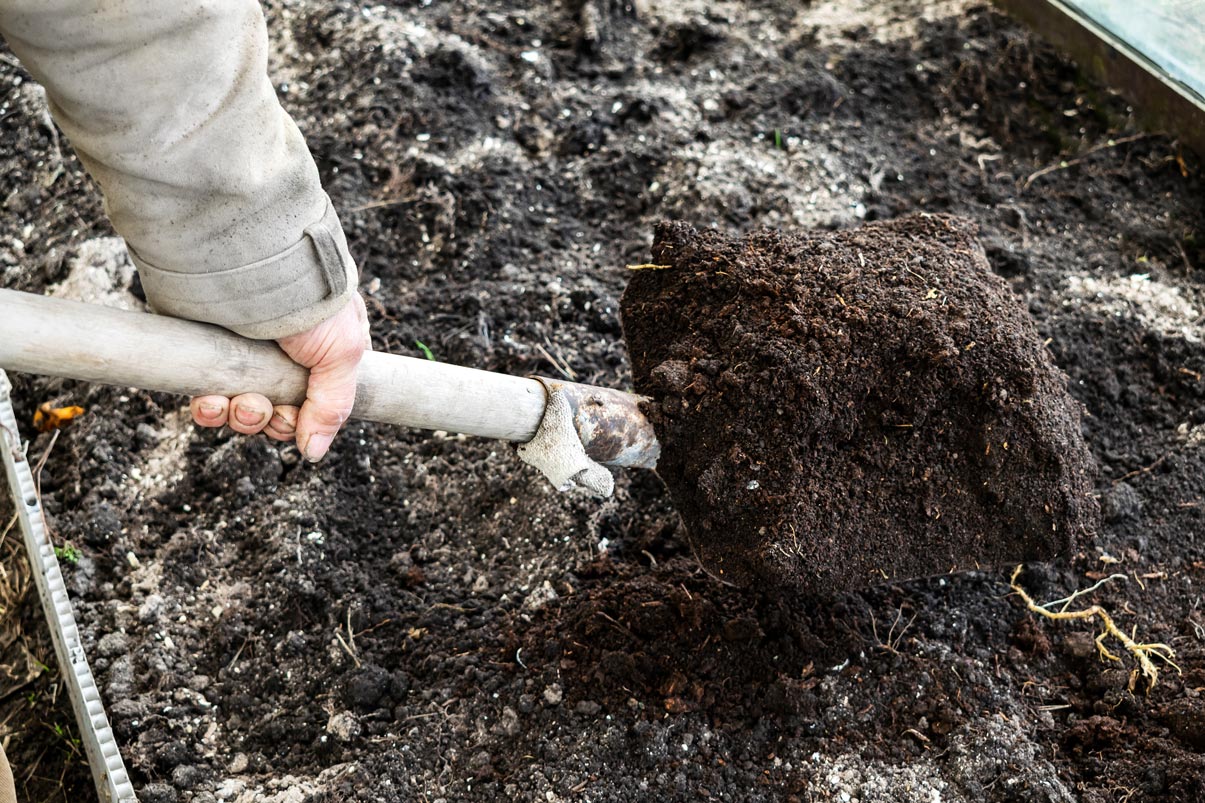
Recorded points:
(206,177)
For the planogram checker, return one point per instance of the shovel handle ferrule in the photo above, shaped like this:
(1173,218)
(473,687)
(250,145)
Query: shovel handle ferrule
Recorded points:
(610,424)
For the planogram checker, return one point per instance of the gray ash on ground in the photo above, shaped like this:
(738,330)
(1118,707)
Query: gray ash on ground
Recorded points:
(843,409)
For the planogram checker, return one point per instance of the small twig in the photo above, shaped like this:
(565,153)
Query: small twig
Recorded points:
(37,472)
(237,653)
(649,266)
(1141,652)
(1113,143)
(1068,600)
(37,480)
(33,768)
(413,717)
(1184,256)
(1144,470)
(1022,223)
(381,204)
(347,649)
(621,627)
(893,638)
(8,528)
(381,623)
(562,368)
(892,643)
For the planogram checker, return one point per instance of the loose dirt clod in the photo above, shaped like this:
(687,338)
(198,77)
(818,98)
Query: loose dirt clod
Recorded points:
(840,409)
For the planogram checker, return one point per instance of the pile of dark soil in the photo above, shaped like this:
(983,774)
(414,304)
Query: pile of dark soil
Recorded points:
(842,409)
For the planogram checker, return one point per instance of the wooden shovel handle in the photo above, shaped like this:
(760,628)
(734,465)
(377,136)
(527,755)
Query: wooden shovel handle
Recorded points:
(56,337)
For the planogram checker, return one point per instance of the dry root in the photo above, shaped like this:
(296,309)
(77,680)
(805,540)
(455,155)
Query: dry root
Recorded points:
(1142,652)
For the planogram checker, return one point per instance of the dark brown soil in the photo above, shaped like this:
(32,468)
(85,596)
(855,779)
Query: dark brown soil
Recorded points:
(421,618)
(850,408)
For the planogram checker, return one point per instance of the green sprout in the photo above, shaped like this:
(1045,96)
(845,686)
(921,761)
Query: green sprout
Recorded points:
(67,553)
(423,348)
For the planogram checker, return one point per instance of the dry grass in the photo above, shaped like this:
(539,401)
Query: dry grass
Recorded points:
(18,664)
(35,723)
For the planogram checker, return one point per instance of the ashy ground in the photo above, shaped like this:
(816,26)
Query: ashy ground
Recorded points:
(420,618)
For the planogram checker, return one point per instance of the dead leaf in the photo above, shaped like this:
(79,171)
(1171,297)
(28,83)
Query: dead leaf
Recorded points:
(49,418)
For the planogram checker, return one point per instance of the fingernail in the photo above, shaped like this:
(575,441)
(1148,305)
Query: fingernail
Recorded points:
(248,417)
(209,410)
(317,446)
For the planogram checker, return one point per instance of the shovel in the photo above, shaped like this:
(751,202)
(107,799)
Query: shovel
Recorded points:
(789,466)
(72,340)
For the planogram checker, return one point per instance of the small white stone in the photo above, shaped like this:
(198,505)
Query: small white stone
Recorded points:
(540,596)
(229,789)
(344,726)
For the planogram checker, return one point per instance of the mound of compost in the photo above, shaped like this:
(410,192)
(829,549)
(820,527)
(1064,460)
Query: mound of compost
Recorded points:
(840,409)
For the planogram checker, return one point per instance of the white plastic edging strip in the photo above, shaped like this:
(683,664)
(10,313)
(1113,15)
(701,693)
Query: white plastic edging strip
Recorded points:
(108,770)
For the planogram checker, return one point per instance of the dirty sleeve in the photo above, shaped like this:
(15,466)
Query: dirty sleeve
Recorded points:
(171,110)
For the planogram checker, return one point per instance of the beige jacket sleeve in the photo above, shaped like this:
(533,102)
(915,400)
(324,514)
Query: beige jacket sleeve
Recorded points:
(169,106)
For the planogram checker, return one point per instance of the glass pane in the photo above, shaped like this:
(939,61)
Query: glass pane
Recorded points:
(1171,33)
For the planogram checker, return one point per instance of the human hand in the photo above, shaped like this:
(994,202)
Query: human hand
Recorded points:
(332,351)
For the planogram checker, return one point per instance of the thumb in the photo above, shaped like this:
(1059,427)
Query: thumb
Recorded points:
(329,399)
(332,351)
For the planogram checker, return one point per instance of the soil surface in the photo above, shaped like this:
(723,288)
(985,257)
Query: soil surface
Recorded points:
(840,410)
(420,618)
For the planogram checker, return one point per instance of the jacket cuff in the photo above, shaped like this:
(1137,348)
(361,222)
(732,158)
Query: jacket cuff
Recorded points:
(275,297)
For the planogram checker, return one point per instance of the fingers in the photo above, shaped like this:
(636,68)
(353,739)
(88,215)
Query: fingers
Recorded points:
(249,413)
(332,351)
(209,411)
(283,424)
